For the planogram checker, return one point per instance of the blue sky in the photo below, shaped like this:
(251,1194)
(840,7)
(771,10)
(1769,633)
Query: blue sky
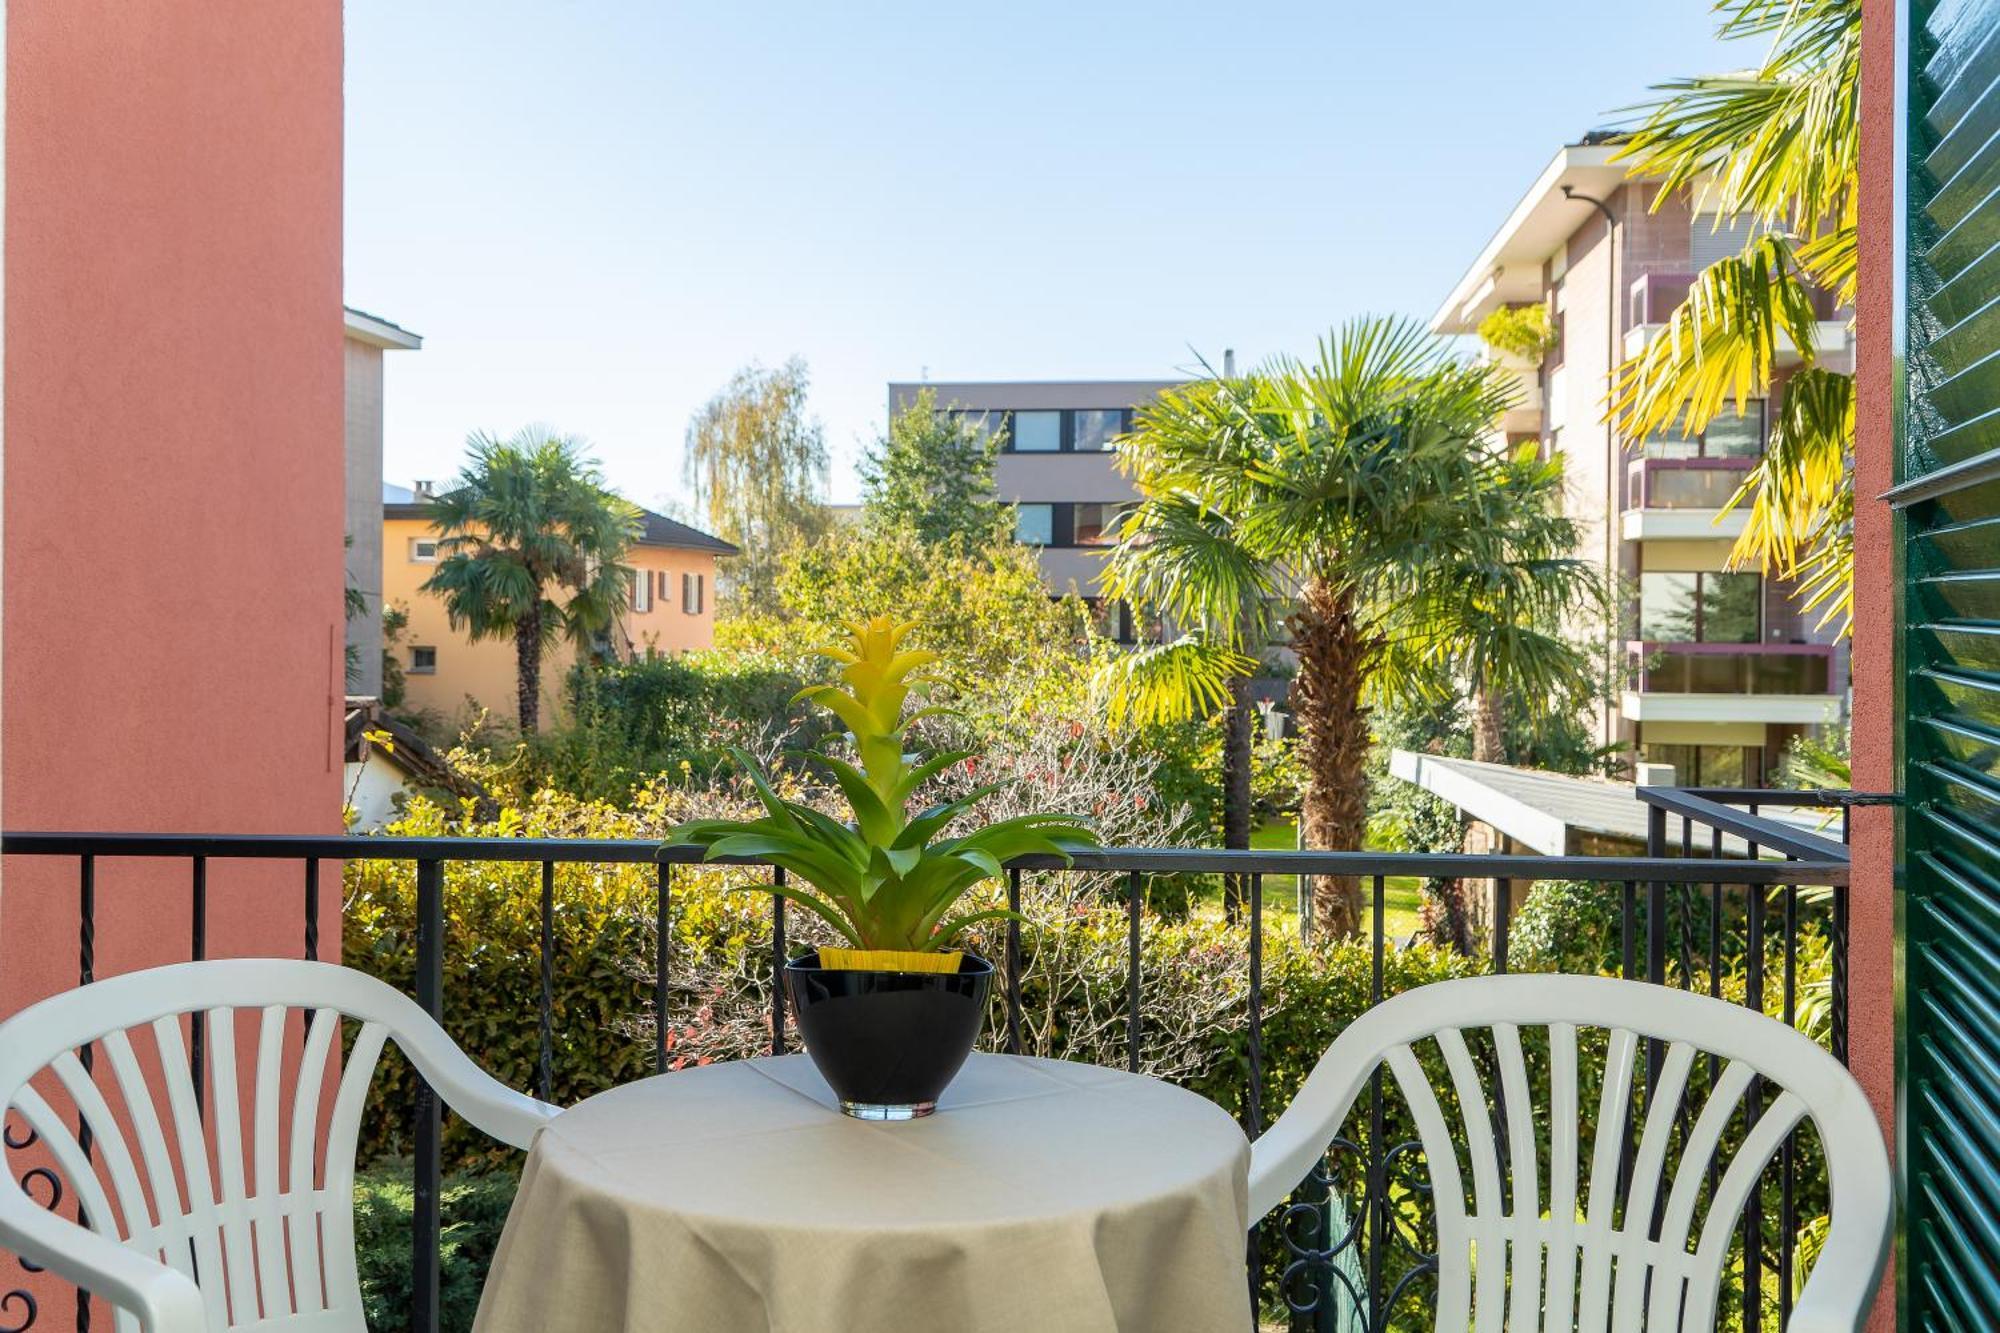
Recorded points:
(595,210)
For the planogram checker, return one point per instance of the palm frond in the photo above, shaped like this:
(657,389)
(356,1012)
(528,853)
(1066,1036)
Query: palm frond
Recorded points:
(1170,682)
(1721,344)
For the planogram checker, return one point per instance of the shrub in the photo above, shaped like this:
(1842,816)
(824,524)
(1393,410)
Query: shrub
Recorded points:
(474,1209)
(631,721)
(1521,330)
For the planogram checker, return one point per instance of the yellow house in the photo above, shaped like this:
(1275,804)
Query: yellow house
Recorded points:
(672,611)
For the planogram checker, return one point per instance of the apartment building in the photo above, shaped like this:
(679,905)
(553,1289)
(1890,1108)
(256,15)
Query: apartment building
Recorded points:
(672,611)
(1056,468)
(1724,668)
(366,338)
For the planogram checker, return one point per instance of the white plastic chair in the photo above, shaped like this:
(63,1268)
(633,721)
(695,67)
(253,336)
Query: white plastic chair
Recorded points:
(1565,1259)
(264,1248)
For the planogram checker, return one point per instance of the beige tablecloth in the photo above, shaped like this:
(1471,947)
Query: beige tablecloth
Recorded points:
(1043,1197)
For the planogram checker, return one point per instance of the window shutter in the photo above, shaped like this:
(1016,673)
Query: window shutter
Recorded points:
(1949,498)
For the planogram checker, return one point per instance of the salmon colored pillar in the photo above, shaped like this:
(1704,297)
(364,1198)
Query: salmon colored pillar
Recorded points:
(1872,913)
(173,473)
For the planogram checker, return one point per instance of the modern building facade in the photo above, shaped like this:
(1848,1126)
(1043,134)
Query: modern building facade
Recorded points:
(1723,667)
(367,338)
(672,611)
(1056,467)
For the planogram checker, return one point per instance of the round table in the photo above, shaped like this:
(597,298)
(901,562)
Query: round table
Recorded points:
(1042,1197)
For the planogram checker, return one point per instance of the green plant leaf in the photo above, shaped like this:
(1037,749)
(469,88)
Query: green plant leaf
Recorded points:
(812,902)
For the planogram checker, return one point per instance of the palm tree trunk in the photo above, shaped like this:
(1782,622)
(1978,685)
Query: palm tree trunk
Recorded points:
(1489,745)
(1236,790)
(1453,923)
(528,669)
(1334,655)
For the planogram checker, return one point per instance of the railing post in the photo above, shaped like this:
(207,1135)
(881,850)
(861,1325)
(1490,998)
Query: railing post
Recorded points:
(1656,935)
(662,941)
(778,966)
(427,1127)
(1136,891)
(1013,964)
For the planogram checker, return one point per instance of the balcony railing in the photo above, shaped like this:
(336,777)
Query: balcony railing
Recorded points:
(1683,483)
(1341,1255)
(1655,296)
(1732,668)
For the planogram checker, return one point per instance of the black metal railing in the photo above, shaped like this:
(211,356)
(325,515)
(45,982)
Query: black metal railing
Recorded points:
(1320,1240)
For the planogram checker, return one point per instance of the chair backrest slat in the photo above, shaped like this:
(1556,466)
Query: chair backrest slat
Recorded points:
(192,1146)
(226,1119)
(267,1224)
(1454,1299)
(1732,1192)
(1648,1165)
(1524,1198)
(166,1203)
(1614,1112)
(126,1191)
(1697,1154)
(1549,1242)
(1487,1224)
(302,1213)
(1560,1301)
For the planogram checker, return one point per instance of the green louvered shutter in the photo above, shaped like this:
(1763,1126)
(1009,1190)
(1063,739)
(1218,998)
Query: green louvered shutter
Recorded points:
(1949,504)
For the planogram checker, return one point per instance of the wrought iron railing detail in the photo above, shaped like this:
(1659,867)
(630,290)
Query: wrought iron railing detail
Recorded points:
(1342,1270)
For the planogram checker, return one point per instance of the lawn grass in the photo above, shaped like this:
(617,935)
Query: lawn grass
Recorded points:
(1401,894)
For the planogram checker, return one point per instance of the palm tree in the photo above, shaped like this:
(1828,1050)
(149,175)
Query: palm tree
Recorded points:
(1514,616)
(1181,558)
(1781,144)
(530,543)
(1339,487)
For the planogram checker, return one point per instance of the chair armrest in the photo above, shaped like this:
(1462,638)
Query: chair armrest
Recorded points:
(165,1301)
(484,1101)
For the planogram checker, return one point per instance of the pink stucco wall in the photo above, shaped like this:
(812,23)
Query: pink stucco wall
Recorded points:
(173,469)
(1872,898)
(174,454)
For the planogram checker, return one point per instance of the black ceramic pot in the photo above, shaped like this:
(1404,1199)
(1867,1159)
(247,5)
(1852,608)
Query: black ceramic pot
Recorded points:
(888,1043)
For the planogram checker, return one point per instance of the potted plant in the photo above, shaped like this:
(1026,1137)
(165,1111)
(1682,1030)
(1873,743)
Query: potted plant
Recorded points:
(891,1014)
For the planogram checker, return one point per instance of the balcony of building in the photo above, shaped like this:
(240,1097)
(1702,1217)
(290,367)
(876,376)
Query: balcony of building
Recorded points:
(1683,499)
(1731,682)
(1653,297)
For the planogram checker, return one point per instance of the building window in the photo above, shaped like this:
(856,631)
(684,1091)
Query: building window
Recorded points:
(693,593)
(1097,524)
(980,421)
(1701,608)
(1111,619)
(423,550)
(1710,765)
(1729,435)
(1036,433)
(642,590)
(1096,428)
(1035,524)
(423,661)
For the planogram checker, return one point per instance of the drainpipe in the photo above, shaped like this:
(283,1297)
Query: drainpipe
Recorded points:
(1612,461)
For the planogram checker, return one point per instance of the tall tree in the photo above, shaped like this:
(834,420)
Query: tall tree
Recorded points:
(932,474)
(530,544)
(757,464)
(1780,144)
(1340,486)
(1183,559)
